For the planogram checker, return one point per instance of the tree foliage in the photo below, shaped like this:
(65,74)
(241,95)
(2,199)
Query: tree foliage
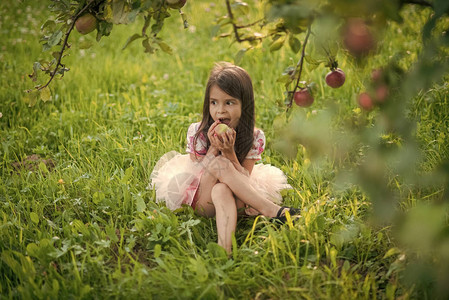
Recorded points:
(65,14)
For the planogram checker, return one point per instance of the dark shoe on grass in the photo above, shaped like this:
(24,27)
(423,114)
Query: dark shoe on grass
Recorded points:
(281,218)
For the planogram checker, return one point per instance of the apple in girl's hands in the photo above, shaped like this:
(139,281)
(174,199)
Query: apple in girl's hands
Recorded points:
(221,128)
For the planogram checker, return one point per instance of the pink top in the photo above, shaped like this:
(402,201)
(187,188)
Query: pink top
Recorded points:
(254,153)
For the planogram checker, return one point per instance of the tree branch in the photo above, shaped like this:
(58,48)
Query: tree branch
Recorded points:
(299,67)
(249,25)
(237,27)
(234,26)
(64,44)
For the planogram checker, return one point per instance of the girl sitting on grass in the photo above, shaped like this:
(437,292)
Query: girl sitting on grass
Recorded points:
(219,176)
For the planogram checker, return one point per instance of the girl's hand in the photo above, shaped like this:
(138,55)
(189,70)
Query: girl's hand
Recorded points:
(227,141)
(214,141)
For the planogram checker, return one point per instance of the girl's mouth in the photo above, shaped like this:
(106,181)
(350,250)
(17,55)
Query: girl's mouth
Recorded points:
(225,121)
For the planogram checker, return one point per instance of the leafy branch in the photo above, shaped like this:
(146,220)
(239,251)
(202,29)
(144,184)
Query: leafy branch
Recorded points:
(100,15)
(64,45)
(237,27)
(299,67)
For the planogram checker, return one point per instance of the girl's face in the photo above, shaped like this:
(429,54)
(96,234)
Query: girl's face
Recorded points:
(224,107)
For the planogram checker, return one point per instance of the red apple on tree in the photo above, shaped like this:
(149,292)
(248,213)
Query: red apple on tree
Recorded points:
(335,78)
(86,23)
(176,4)
(303,98)
(365,101)
(376,75)
(382,93)
(358,38)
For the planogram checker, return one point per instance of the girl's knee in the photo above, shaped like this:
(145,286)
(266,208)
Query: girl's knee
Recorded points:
(220,192)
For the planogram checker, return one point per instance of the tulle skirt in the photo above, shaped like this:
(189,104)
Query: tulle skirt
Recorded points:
(176,179)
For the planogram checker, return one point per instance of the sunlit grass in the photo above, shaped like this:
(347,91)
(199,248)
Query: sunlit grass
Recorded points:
(90,227)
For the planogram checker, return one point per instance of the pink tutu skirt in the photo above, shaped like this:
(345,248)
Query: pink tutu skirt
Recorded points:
(176,178)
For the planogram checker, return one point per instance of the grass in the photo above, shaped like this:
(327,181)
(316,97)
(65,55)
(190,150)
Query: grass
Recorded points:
(89,227)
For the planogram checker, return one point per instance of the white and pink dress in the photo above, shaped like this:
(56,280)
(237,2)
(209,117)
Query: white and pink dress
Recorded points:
(176,177)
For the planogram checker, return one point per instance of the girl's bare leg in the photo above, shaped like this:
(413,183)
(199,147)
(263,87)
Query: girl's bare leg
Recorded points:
(222,169)
(204,205)
(226,214)
(240,206)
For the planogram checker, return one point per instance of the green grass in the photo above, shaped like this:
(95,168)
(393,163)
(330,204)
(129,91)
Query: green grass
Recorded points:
(89,227)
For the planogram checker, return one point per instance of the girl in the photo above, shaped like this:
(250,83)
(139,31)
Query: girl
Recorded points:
(219,176)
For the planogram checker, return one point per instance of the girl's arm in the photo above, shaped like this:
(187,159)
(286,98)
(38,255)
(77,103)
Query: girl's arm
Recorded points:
(212,151)
(245,168)
(226,146)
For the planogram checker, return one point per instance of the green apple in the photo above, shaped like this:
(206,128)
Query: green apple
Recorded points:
(221,128)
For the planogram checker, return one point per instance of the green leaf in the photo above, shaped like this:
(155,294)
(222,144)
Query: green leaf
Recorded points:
(31,98)
(239,56)
(98,197)
(103,29)
(392,251)
(79,226)
(45,94)
(131,39)
(240,8)
(277,44)
(284,79)
(36,68)
(48,23)
(215,29)
(223,20)
(110,231)
(54,38)
(313,63)
(34,217)
(157,250)
(146,44)
(127,176)
(294,44)
(165,47)
(33,249)
(140,204)
(119,13)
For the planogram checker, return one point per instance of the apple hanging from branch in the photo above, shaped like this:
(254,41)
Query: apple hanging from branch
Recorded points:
(365,101)
(176,4)
(303,97)
(358,37)
(86,23)
(335,78)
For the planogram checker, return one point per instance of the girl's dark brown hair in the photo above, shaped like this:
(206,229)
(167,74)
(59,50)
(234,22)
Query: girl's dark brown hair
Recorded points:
(236,82)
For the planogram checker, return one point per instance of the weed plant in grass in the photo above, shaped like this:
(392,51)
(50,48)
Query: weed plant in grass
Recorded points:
(89,228)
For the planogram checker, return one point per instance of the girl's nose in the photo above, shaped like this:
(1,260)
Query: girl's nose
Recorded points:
(221,108)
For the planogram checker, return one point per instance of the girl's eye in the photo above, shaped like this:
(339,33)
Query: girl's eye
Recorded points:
(212,102)
(229,103)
